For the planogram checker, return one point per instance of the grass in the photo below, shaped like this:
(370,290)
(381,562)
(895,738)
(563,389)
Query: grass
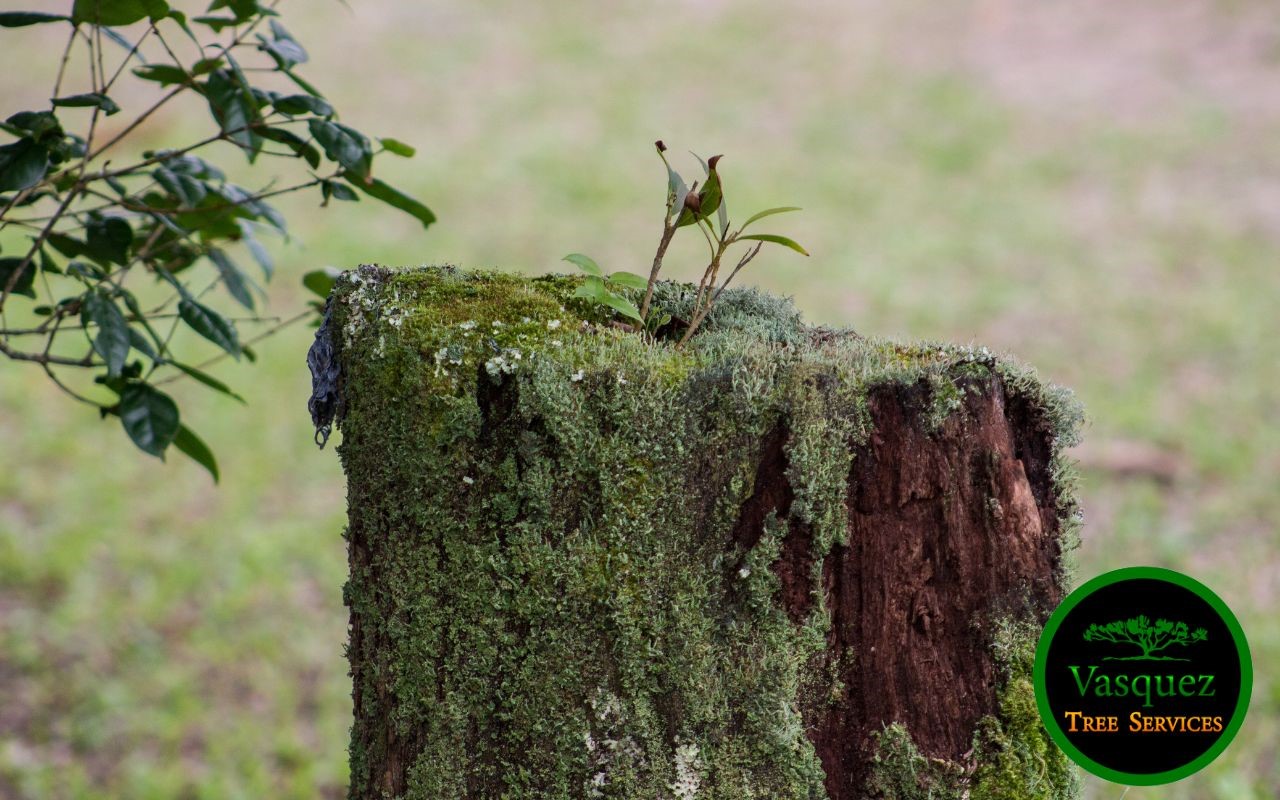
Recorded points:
(1094,193)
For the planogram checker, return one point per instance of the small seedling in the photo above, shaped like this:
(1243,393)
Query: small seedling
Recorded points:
(686,205)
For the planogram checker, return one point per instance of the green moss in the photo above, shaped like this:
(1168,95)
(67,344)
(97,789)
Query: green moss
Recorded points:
(517,465)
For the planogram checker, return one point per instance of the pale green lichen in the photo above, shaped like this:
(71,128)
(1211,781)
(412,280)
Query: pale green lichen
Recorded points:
(516,464)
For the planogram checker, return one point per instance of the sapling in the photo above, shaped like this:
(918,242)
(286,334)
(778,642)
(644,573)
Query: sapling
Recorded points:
(687,205)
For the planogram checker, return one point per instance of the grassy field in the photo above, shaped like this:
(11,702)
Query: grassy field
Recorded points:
(1094,187)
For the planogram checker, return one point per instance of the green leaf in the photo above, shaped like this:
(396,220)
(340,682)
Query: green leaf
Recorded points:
(107,240)
(297,104)
(26,281)
(207,380)
(320,281)
(769,212)
(118,12)
(188,190)
(592,288)
(338,191)
(21,19)
(187,442)
(283,49)
(142,344)
(210,324)
(68,246)
(164,74)
(296,143)
(585,263)
(622,305)
(181,18)
(42,125)
(22,164)
(397,147)
(232,277)
(149,416)
(256,250)
(303,85)
(233,109)
(393,197)
(244,10)
(216,23)
(111,341)
(344,145)
(628,279)
(782,240)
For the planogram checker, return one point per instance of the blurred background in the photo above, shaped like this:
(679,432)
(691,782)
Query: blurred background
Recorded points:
(1091,186)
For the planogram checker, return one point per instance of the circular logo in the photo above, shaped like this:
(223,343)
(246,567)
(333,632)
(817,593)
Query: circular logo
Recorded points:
(1143,676)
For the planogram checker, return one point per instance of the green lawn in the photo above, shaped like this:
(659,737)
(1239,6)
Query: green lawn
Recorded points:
(1089,187)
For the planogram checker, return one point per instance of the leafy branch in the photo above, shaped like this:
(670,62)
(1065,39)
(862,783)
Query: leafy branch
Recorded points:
(686,205)
(96,238)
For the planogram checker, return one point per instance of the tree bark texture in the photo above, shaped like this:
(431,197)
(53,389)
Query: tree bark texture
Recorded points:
(781,562)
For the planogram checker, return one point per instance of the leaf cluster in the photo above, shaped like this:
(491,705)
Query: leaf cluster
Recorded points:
(112,261)
(687,205)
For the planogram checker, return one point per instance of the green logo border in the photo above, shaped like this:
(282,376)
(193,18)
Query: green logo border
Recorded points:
(1042,658)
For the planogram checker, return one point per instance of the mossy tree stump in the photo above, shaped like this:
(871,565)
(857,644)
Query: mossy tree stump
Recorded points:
(782,562)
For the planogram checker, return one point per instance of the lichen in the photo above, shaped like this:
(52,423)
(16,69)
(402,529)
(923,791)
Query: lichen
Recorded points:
(540,608)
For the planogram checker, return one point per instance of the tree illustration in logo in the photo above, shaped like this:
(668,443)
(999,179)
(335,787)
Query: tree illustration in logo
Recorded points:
(1151,637)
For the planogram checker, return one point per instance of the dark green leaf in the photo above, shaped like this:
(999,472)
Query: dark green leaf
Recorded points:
(348,147)
(628,279)
(36,123)
(181,18)
(303,85)
(295,143)
(21,19)
(67,245)
(243,9)
(22,164)
(25,283)
(187,442)
(283,49)
(188,190)
(216,23)
(394,197)
(142,344)
(149,416)
(107,240)
(210,324)
(118,12)
(622,305)
(165,74)
(233,278)
(782,240)
(320,281)
(585,263)
(207,380)
(296,104)
(397,147)
(768,212)
(111,340)
(206,65)
(193,166)
(256,249)
(338,191)
(233,108)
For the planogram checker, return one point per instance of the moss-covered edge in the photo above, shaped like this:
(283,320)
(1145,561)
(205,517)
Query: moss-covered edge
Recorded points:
(418,347)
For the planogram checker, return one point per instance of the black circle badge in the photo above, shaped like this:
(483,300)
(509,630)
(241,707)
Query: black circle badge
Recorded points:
(1143,676)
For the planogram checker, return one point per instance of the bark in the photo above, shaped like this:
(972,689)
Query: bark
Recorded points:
(788,562)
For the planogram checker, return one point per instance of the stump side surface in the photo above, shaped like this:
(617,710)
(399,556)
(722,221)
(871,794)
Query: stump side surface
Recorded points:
(783,562)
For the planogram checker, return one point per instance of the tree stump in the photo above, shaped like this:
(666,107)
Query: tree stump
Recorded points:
(781,562)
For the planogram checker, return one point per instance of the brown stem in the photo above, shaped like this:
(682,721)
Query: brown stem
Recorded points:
(668,232)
